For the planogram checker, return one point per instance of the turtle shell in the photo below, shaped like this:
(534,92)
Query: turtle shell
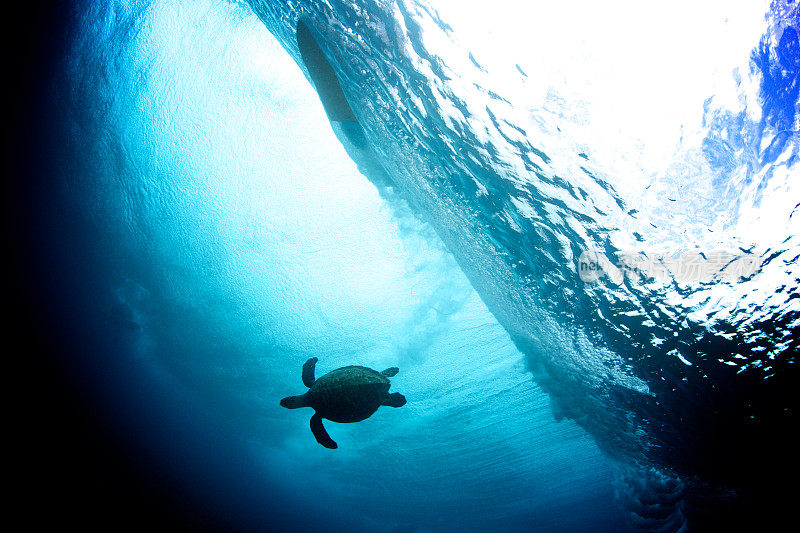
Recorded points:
(348,394)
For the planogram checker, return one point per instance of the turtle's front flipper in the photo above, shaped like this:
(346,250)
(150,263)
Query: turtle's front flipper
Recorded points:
(320,434)
(389,372)
(394,399)
(308,372)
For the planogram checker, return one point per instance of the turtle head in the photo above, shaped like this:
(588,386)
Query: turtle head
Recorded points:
(294,402)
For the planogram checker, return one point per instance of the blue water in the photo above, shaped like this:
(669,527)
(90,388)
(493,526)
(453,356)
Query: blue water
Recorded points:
(216,230)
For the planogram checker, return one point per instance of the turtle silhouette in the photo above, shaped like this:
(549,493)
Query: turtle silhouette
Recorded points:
(347,394)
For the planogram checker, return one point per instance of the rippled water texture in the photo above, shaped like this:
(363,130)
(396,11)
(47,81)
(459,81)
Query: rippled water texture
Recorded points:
(573,227)
(663,137)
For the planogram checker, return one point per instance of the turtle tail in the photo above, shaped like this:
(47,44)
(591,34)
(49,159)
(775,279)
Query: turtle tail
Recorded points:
(394,400)
(389,372)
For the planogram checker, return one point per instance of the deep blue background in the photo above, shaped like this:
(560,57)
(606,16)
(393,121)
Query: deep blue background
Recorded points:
(78,464)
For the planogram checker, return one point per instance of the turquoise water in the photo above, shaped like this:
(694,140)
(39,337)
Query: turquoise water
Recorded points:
(228,231)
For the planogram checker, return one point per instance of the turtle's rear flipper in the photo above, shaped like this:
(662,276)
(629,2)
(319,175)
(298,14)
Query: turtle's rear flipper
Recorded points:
(320,434)
(394,399)
(308,372)
(389,372)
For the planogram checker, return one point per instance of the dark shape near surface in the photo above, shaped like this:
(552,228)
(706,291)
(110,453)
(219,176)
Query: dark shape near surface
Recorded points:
(340,114)
(348,394)
(322,74)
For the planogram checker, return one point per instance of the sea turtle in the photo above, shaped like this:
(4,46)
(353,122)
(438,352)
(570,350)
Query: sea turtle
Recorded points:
(347,394)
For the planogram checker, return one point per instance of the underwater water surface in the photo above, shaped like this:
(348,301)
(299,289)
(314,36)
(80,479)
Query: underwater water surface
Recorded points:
(573,228)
